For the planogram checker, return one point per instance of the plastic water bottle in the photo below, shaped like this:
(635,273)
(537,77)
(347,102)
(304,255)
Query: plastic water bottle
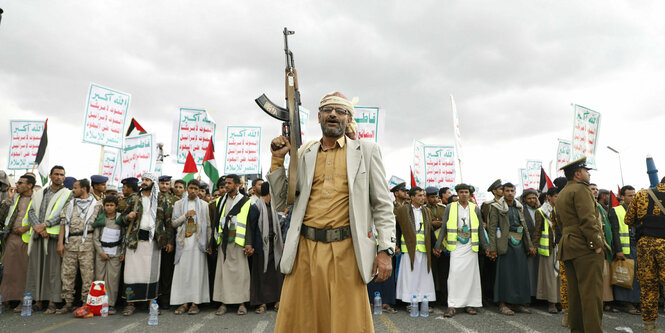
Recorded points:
(414,306)
(26,309)
(378,304)
(105,306)
(498,232)
(424,307)
(153,320)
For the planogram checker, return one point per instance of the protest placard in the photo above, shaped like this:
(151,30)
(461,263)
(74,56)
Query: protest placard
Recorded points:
(367,119)
(105,114)
(533,174)
(439,165)
(419,163)
(562,156)
(394,181)
(109,163)
(243,146)
(137,156)
(524,178)
(23,143)
(195,128)
(586,124)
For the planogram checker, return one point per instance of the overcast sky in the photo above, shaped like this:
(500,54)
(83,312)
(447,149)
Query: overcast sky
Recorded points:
(514,69)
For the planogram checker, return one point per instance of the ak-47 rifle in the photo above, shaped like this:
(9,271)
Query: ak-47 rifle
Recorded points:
(290,116)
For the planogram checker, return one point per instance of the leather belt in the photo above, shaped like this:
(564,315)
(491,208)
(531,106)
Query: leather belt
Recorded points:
(326,235)
(113,244)
(80,233)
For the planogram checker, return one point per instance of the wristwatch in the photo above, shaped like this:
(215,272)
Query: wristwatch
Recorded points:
(389,251)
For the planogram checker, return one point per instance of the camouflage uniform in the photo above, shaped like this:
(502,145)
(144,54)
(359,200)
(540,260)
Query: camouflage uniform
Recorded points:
(166,267)
(441,264)
(562,271)
(163,217)
(645,214)
(78,252)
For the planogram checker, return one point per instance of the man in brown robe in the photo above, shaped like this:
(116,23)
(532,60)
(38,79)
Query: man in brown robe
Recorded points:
(330,253)
(15,238)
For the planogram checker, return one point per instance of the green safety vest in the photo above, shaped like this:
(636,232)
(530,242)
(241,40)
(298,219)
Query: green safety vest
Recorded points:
(241,223)
(420,238)
(544,243)
(451,228)
(55,230)
(26,235)
(624,232)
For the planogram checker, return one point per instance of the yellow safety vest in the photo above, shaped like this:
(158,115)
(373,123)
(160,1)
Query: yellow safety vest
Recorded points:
(451,228)
(624,232)
(420,239)
(55,230)
(544,243)
(241,223)
(26,235)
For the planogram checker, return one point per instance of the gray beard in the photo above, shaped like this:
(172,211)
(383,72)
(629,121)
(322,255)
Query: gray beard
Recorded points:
(333,133)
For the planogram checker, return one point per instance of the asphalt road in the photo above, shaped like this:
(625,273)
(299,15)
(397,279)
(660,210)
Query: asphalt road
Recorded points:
(488,320)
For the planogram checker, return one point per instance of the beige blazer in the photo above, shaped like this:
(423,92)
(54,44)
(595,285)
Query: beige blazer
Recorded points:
(369,203)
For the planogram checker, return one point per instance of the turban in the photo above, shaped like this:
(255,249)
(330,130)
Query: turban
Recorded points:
(338,98)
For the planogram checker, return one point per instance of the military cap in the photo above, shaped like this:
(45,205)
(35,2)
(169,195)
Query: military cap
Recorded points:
(462,186)
(399,187)
(576,164)
(130,180)
(494,186)
(69,182)
(164,178)
(431,190)
(97,179)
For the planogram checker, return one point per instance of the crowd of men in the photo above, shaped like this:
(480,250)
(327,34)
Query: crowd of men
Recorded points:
(156,239)
(506,251)
(325,252)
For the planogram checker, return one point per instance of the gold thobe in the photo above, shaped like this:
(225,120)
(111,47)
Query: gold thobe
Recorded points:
(325,291)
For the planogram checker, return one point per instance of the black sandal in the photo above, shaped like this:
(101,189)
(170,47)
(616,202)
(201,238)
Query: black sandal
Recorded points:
(64,309)
(449,313)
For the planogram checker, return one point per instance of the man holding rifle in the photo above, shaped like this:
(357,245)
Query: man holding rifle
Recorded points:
(341,194)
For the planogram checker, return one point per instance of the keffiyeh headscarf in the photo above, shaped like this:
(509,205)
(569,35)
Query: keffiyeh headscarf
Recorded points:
(338,98)
(153,201)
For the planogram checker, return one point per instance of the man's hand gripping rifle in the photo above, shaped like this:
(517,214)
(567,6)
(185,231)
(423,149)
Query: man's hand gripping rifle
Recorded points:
(290,117)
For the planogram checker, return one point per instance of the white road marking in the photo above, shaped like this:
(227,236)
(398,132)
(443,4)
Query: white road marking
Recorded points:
(521,326)
(260,327)
(609,316)
(457,324)
(199,325)
(126,328)
(512,323)
(540,312)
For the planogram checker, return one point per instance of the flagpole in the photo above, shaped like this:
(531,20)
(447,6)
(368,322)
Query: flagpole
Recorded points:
(101,160)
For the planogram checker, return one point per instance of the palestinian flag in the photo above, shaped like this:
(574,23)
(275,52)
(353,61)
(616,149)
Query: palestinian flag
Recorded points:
(135,124)
(209,165)
(545,182)
(42,156)
(614,201)
(413,179)
(190,168)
